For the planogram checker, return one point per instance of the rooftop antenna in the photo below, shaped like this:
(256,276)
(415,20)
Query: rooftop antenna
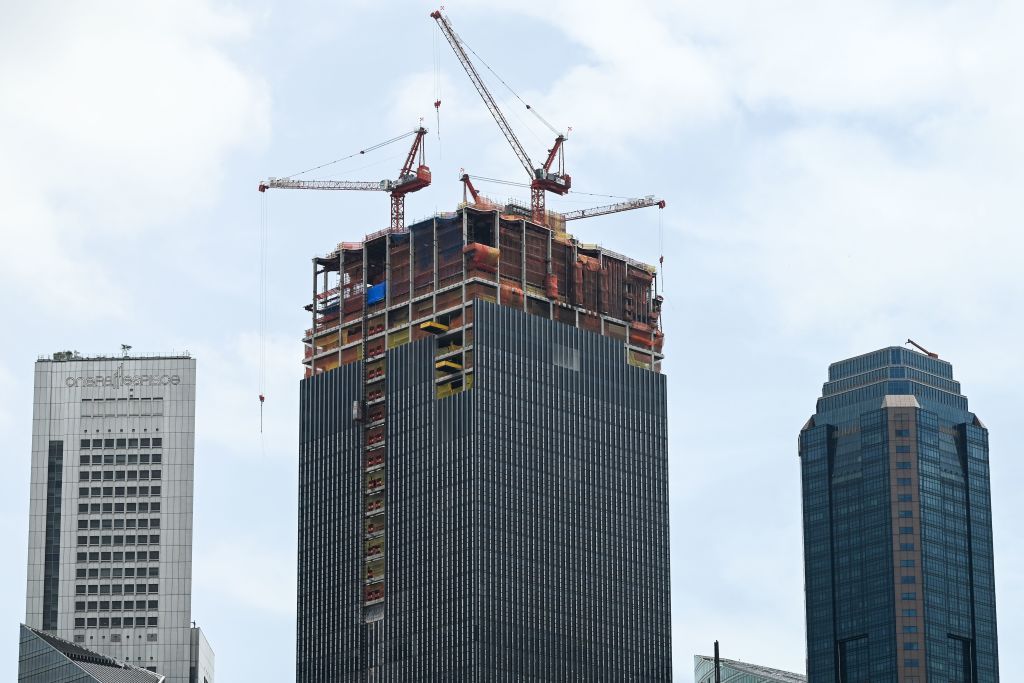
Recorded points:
(718,665)
(125,348)
(922,349)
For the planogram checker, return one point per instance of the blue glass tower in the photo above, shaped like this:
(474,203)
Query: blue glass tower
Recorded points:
(897,526)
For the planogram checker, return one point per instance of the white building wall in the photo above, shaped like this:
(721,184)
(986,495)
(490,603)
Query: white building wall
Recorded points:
(110,403)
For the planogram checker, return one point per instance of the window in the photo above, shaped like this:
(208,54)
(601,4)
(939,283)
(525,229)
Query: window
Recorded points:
(133,443)
(906,513)
(906,529)
(902,448)
(144,443)
(158,442)
(908,596)
(122,443)
(908,579)
(80,623)
(903,481)
(910,629)
(904,433)
(907,563)
(903,465)
(911,663)
(108,443)
(84,443)
(910,612)
(911,646)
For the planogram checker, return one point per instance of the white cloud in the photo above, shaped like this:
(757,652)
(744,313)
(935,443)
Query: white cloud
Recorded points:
(114,121)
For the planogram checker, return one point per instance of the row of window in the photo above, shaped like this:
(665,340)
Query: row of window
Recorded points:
(116,589)
(114,622)
(117,605)
(119,458)
(141,539)
(120,475)
(121,406)
(142,442)
(153,523)
(116,638)
(108,491)
(94,508)
(115,572)
(119,556)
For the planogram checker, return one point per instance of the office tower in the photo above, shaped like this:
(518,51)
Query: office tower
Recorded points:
(110,526)
(897,526)
(731,671)
(483,463)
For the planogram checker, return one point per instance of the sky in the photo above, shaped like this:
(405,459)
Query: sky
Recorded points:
(839,177)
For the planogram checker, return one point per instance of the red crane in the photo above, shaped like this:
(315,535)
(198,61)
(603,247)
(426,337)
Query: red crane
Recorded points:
(542,178)
(470,191)
(922,349)
(408,181)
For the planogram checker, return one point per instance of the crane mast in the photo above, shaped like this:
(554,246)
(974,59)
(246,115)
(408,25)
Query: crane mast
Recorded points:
(541,178)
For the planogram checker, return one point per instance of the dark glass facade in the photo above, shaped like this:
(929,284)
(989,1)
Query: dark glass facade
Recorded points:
(51,557)
(897,527)
(527,516)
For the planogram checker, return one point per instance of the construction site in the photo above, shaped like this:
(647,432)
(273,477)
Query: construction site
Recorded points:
(427,281)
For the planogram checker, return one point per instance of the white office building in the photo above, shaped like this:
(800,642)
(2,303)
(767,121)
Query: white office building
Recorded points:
(110,531)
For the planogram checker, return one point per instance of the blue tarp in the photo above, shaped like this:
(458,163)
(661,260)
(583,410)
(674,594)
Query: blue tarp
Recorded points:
(375,294)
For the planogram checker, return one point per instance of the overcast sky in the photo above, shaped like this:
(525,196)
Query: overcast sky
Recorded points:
(840,176)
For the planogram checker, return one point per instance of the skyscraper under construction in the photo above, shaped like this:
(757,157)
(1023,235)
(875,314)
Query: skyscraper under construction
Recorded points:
(483,458)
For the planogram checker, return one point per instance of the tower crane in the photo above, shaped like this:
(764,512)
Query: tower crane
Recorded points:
(408,181)
(469,190)
(542,178)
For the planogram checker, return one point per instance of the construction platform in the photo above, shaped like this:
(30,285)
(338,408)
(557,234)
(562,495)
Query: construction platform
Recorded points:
(400,286)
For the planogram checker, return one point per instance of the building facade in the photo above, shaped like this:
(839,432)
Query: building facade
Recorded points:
(483,479)
(897,526)
(731,671)
(110,531)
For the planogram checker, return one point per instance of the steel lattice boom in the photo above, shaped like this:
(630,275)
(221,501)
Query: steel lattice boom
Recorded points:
(542,179)
(408,181)
(627,205)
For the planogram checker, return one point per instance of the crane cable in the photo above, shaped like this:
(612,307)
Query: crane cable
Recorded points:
(502,81)
(437,85)
(264,276)
(355,154)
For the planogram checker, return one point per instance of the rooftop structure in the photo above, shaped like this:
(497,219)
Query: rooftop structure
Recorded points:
(400,286)
(740,672)
(45,658)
